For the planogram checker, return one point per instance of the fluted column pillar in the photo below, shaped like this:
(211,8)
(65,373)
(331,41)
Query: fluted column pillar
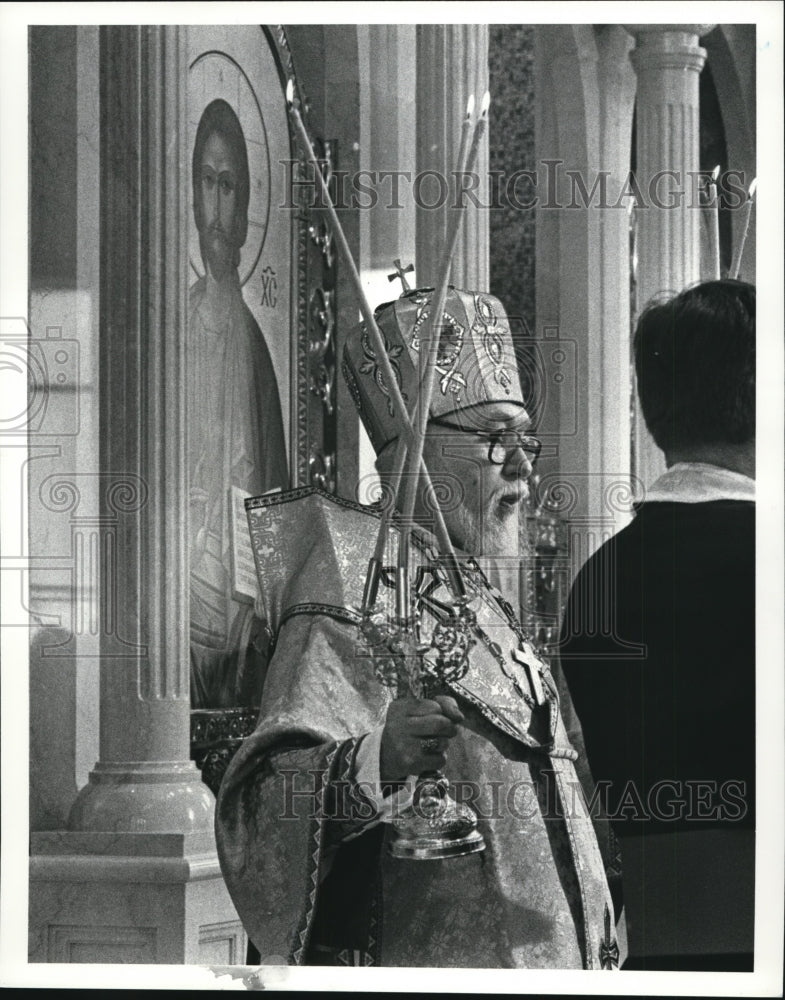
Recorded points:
(135,878)
(144,780)
(667,60)
(452,62)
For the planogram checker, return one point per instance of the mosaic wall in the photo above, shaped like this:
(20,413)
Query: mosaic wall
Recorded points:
(511,141)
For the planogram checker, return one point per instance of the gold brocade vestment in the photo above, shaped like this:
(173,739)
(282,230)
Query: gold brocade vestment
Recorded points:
(537,897)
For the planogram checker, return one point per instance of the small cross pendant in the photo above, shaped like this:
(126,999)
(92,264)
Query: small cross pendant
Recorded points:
(528,659)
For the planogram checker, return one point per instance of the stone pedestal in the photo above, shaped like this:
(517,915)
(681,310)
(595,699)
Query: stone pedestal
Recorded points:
(131,898)
(452,63)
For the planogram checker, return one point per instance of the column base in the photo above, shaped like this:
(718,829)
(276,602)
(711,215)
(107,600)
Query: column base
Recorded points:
(130,898)
(144,797)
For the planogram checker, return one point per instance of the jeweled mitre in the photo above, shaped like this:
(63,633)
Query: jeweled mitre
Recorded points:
(475,364)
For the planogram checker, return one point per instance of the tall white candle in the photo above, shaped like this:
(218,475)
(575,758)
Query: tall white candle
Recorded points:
(370,322)
(714,223)
(440,291)
(439,296)
(739,251)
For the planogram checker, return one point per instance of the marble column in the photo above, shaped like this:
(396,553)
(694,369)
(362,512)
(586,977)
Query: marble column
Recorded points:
(586,92)
(144,778)
(388,144)
(135,878)
(667,60)
(452,63)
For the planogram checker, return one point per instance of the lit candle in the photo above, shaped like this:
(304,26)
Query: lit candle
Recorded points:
(714,223)
(465,127)
(434,327)
(440,292)
(429,370)
(736,264)
(468,167)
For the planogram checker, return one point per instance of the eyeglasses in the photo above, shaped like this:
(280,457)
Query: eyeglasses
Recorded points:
(502,442)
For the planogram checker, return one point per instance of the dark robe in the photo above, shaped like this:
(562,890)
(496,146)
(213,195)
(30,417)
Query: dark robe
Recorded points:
(658,649)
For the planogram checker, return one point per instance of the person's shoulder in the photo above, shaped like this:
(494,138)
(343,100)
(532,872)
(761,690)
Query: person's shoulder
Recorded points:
(311,544)
(622,550)
(700,539)
(704,516)
(702,507)
(618,541)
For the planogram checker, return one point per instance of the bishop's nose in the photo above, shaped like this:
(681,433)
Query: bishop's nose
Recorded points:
(519,464)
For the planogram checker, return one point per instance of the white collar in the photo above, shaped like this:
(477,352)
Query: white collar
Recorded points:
(699,482)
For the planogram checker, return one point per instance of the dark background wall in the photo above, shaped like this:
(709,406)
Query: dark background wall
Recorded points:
(53,146)
(511,148)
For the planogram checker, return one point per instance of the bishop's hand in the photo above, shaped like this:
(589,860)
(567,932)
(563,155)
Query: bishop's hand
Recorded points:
(416,735)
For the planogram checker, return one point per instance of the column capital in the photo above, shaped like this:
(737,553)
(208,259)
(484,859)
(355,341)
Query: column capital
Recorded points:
(653,34)
(668,46)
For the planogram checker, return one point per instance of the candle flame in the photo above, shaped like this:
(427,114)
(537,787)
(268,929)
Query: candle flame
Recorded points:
(290,93)
(470,106)
(486,103)
(715,174)
(753,186)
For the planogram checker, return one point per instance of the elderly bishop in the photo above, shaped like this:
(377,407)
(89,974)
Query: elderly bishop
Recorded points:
(306,810)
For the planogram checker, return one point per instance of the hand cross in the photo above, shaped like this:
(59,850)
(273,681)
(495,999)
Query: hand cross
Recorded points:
(529,659)
(400,272)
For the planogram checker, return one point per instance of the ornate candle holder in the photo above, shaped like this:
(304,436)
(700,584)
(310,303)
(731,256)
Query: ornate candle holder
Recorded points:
(434,826)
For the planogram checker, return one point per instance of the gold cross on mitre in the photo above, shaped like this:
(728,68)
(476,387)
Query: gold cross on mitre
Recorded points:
(400,272)
(527,657)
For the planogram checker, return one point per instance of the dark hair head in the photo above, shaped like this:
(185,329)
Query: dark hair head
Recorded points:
(219,117)
(695,365)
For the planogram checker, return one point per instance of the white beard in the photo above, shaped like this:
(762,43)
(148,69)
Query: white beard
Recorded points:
(501,547)
(492,535)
